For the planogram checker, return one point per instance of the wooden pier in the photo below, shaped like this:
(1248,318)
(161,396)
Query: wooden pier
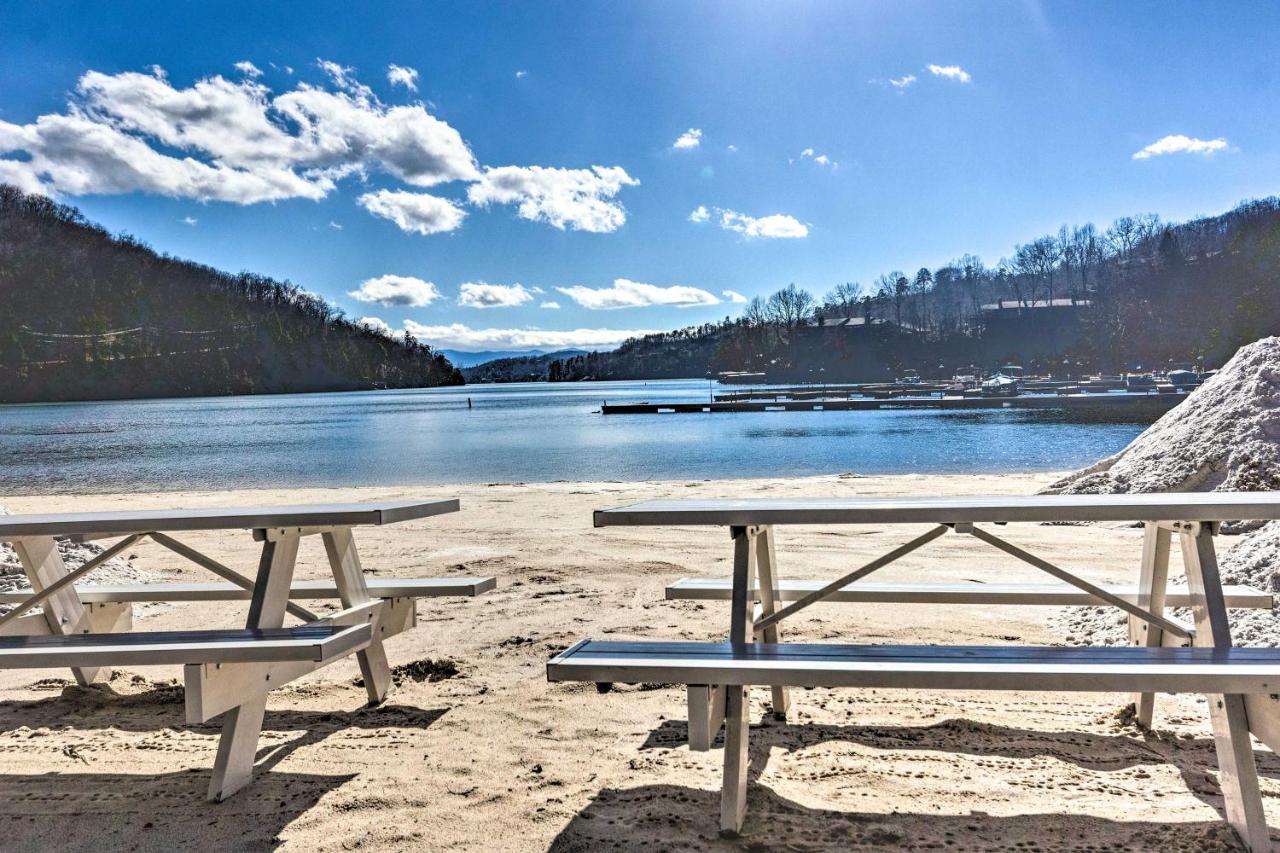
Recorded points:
(1111,406)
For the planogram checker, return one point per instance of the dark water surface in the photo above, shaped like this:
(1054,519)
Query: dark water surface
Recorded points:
(526,432)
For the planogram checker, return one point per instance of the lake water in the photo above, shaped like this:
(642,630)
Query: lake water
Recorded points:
(525,432)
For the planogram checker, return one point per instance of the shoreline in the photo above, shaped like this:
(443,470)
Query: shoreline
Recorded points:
(496,758)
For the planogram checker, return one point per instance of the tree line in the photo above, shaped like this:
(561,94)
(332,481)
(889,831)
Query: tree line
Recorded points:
(91,315)
(1138,294)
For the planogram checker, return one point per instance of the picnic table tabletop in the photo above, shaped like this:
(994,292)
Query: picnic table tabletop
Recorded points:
(1201,506)
(220,518)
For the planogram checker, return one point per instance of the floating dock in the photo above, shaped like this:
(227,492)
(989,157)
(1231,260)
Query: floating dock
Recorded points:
(1116,405)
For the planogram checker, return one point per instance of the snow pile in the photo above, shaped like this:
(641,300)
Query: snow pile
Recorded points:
(1224,437)
(115,570)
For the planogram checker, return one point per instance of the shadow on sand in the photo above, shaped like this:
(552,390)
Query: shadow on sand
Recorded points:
(168,811)
(637,818)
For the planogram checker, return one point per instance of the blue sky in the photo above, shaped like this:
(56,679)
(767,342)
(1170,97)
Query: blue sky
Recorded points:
(1031,118)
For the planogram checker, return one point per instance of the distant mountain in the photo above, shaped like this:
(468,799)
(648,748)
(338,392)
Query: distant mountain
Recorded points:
(532,366)
(471,359)
(85,315)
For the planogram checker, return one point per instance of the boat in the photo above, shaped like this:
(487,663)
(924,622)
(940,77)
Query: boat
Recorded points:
(1001,385)
(1183,378)
(909,377)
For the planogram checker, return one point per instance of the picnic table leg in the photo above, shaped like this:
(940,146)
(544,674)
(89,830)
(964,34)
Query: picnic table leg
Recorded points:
(233,767)
(63,610)
(733,795)
(352,591)
(767,568)
(1237,772)
(1152,583)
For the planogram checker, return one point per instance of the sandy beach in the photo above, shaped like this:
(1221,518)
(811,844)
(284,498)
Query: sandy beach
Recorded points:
(495,758)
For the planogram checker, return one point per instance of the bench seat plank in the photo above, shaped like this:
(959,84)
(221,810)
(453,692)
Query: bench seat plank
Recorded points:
(316,589)
(302,643)
(1044,668)
(716,589)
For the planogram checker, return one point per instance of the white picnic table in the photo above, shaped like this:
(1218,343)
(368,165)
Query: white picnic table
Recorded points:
(1165,654)
(87,628)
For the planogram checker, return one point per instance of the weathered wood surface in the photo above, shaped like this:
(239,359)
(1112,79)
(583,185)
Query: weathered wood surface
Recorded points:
(311,589)
(305,642)
(716,589)
(1043,668)
(220,518)
(1206,506)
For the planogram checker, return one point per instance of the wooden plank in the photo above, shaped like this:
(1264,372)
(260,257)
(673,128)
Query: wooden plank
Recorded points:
(1237,771)
(299,590)
(348,575)
(233,765)
(737,702)
(1153,585)
(219,518)
(63,611)
(212,689)
(706,704)
(1182,506)
(104,618)
(867,592)
(1050,669)
(158,648)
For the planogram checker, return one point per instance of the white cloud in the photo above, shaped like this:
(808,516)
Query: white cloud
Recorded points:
(550,303)
(820,159)
(482,295)
(731,148)
(335,226)
(246,68)
(223,140)
(633,294)
(520,75)
(397,290)
(951,72)
(903,82)
(776,226)
(1180,144)
(400,75)
(375,324)
(734,297)
(575,198)
(462,337)
(418,213)
(189,220)
(691,138)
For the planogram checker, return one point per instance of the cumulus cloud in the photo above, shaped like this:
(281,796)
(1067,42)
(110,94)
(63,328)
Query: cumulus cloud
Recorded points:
(776,226)
(951,72)
(188,220)
(375,324)
(550,303)
(462,337)
(580,199)
(903,82)
(239,141)
(520,75)
(334,225)
(418,213)
(691,138)
(400,75)
(396,290)
(1180,144)
(734,297)
(482,295)
(633,294)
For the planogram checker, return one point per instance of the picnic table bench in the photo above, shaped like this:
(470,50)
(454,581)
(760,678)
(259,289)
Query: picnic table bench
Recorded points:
(1164,655)
(225,671)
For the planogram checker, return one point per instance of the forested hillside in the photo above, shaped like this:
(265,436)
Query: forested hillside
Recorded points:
(1139,294)
(88,315)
